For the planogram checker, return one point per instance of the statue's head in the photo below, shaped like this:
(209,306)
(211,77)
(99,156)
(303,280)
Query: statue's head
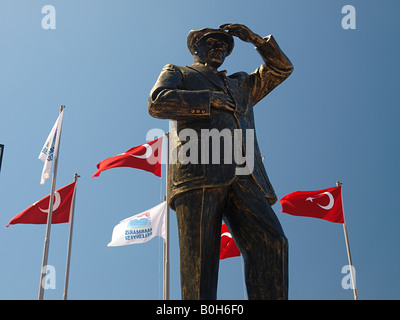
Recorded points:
(210,46)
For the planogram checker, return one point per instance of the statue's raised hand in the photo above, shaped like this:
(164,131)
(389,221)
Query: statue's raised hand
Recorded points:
(242,32)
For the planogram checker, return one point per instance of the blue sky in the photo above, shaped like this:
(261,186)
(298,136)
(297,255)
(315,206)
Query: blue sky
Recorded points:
(335,118)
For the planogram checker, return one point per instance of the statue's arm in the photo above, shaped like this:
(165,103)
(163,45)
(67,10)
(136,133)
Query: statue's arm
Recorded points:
(276,68)
(169,100)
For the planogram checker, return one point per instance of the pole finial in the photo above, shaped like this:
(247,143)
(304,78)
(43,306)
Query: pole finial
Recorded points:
(338,183)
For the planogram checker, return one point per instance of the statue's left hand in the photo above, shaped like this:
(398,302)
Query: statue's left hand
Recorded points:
(242,32)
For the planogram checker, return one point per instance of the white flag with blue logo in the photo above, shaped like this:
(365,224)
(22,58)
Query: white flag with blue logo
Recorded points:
(50,148)
(141,227)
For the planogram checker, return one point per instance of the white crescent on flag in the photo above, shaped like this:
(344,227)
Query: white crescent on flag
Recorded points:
(227,234)
(331,201)
(56,204)
(228,246)
(146,157)
(148,153)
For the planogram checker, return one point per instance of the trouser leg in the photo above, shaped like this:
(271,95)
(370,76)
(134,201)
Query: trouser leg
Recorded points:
(261,240)
(199,215)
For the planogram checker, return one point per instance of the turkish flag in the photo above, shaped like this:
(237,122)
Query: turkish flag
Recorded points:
(228,246)
(324,204)
(37,213)
(146,157)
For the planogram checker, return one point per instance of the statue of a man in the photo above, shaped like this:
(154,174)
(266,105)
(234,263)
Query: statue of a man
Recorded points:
(205,191)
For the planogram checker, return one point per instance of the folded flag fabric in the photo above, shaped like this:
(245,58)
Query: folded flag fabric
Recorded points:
(228,246)
(147,157)
(50,147)
(37,213)
(141,227)
(323,204)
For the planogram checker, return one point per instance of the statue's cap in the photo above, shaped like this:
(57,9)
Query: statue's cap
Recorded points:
(195,36)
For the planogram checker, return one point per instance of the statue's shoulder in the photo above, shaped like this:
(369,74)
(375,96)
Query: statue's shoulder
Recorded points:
(239,75)
(172,67)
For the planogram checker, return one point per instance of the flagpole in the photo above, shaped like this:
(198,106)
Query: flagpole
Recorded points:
(166,277)
(346,237)
(71,226)
(49,218)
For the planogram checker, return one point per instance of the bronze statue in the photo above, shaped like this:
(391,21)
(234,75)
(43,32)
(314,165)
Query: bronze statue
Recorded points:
(205,191)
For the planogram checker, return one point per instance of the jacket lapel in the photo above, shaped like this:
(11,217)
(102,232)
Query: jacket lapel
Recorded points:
(209,75)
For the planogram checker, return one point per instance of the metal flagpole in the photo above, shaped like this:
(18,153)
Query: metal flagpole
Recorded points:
(49,218)
(346,237)
(166,240)
(71,226)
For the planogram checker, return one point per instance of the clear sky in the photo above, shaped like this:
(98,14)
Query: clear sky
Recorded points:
(335,118)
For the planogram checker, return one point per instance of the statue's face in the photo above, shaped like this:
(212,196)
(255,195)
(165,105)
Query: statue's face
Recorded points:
(211,51)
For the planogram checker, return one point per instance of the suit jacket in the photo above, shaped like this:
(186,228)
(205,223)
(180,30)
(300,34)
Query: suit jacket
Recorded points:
(183,94)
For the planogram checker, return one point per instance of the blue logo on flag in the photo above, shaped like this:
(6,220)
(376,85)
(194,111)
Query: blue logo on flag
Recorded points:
(139,228)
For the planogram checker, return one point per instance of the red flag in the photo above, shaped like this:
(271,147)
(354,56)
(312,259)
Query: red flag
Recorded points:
(37,213)
(324,204)
(228,246)
(146,157)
